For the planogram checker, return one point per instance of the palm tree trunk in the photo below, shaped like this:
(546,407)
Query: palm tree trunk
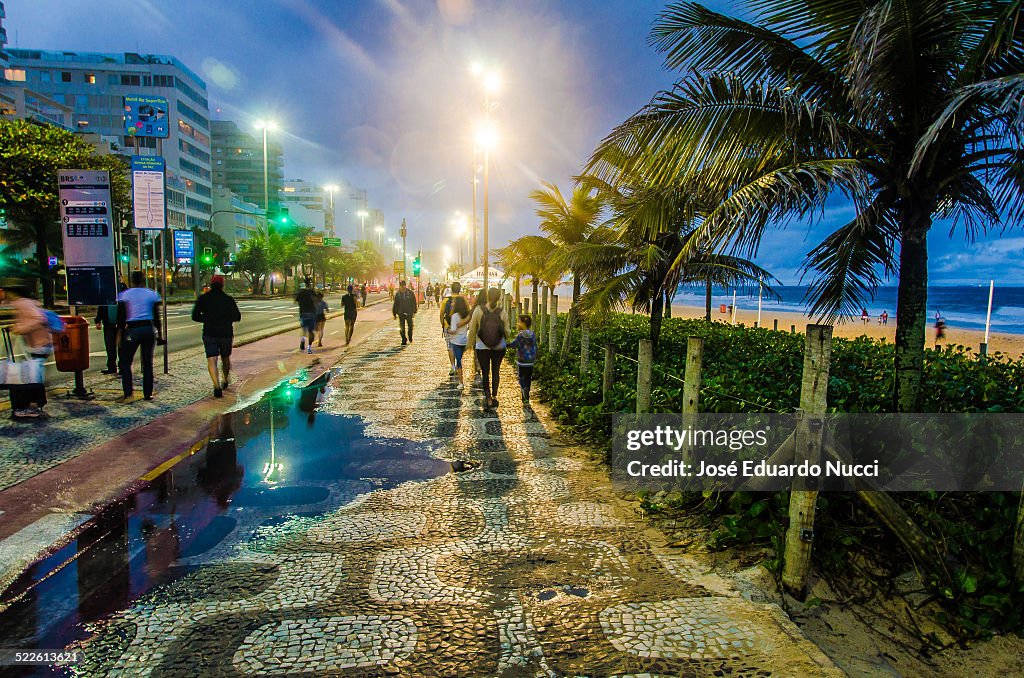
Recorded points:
(657,311)
(668,305)
(911,311)
(534,311)
(707,300)
(576,287)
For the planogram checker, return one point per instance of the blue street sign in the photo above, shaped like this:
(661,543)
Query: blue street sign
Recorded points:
(145,116)
(52,261)
(184,245)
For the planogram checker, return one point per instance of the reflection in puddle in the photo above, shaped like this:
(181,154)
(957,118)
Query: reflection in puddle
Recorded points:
(268,469)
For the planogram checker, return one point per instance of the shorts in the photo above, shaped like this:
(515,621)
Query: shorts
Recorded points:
(457,351)
(321,318)
(216,346)
(307,321)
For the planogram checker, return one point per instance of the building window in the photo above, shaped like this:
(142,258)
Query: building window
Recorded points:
(15,74)
(65,76)
(112,79)
(90,78)
(45,76)
(131,80)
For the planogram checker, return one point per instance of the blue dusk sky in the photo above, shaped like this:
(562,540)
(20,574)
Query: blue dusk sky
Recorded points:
(378,94)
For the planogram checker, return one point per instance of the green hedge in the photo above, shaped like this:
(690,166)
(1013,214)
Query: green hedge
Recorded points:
(752,370)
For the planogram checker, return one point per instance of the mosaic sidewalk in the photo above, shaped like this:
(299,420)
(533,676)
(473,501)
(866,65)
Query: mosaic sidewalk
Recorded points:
(524,564)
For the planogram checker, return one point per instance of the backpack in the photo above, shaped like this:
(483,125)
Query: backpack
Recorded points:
(492,328)
(53,322)
(527,346)
(448,303)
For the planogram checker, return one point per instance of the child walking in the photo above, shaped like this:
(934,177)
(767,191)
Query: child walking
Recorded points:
(525,344)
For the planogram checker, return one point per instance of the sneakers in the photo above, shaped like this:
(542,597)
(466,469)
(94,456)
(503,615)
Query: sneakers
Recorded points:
(27,413)
(302,344)
(451,372)
(309,351)
(461,387)
(218,393)
(224,383)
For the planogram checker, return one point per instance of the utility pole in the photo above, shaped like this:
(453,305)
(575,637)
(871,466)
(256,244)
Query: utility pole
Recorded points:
(403,232)
(474,212)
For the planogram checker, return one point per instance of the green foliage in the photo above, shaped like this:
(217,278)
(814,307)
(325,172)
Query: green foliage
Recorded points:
(750,370)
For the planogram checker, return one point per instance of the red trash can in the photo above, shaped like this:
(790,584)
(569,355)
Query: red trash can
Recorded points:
(71,347)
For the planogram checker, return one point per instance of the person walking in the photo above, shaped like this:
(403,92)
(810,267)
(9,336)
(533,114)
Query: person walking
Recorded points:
(217,311)
(430,294)
(391,291)
(479,301)
(404,308)
(458,333)
(362,293)
(307,316)
(446,320)
(525,345)
(321,316)
(490,322)
(106,320)
(140,331)
(940,328)
(348,303)
(32,325)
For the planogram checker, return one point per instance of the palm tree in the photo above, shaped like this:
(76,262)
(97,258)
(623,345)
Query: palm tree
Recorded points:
(567,223)
(530,256)
(912,110)
(255,260)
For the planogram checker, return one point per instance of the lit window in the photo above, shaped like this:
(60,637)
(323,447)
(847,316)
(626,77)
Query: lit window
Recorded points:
(90,78)
(15,74)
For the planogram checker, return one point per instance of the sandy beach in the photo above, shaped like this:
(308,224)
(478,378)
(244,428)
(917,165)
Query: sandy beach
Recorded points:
(1010,344)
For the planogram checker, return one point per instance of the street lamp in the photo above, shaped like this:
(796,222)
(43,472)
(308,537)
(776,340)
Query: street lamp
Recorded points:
(486,138)
(490,81)
(362,214)
(380,237)
(266,125)
(331,188)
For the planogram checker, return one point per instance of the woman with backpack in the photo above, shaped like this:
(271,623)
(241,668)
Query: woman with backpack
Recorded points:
(489,322)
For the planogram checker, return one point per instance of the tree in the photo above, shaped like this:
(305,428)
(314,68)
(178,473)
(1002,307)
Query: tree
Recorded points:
(255,260)
(912,110)
(30,157)
(567,223)
(530,256)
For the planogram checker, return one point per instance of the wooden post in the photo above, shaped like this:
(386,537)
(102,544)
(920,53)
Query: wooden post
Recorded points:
(570,327)
(645,360)
(808,436)
(553,324)
(691,377)
(776,327)
(584,347)
(609,371)
(792,329)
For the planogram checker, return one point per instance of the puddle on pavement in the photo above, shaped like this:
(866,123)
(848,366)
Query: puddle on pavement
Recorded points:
(274,464)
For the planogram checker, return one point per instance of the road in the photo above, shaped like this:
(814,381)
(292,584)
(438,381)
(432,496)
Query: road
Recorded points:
(183,334)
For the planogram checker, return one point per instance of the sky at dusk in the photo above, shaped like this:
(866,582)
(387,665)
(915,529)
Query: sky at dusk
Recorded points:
(378,94)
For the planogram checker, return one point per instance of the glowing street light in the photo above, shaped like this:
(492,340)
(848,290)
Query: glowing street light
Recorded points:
(266,125)
(380,237)
(362,214)
(331,188)
(486,138)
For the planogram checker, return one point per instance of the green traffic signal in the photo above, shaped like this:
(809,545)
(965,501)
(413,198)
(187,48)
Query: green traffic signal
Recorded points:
(284,220)
(416,266)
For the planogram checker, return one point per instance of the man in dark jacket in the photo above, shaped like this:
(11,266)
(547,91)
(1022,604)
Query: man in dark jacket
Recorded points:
(217,311)
(348,302)
(106,319)
(307,315)
(404,308)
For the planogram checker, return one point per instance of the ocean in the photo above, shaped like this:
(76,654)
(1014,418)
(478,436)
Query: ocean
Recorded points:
(963,306)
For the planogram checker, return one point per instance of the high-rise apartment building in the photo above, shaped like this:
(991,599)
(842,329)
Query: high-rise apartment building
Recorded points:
(238,164)
(93,85)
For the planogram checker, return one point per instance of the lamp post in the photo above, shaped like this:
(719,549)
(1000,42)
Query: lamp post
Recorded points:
(380,237)
(362,214)
(266,125)
(491,82)
(486,138)
(331,188)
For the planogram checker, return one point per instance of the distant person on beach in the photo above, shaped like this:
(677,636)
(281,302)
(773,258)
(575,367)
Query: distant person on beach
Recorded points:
(348,303)
(458,331)
(940,328)
(307,316)
(489,323)
(137,321)
(404,308)
(525,344)
(864,317)
(218,312)
(883,318)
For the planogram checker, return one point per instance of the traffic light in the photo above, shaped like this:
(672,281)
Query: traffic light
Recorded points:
(416,266)
(207,255)
(124,255)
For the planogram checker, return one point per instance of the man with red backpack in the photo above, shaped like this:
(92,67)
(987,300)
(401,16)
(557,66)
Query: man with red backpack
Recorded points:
(489,323)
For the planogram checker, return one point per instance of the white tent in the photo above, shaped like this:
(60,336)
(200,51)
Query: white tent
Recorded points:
(495,277)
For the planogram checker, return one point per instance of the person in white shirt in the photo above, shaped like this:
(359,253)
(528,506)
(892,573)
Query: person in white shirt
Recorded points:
(458,334)
(137,320)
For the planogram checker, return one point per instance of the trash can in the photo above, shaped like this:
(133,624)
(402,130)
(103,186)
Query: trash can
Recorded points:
(71,347)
